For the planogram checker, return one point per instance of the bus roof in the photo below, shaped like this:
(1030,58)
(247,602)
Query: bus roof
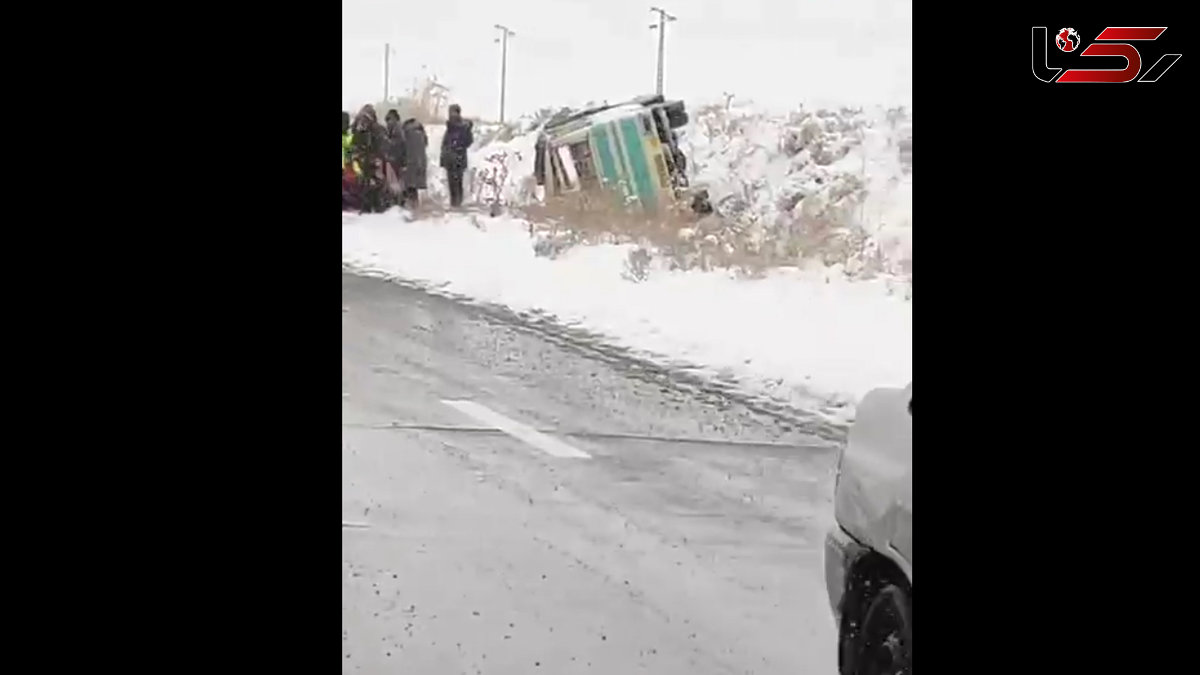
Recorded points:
(644,101)
(586,120)
(618,112)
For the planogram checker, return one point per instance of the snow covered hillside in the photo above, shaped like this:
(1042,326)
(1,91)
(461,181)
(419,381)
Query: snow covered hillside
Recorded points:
(821,200)
(834,185)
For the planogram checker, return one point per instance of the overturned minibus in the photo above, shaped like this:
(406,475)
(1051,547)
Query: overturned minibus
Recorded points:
(629,149)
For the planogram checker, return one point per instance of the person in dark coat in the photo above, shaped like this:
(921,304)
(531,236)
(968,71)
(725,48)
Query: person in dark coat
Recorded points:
(414,158)
(369,148)
(459,137)
(392,127)
(395,147)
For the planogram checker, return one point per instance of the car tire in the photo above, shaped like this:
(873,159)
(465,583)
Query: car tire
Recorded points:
(883,643)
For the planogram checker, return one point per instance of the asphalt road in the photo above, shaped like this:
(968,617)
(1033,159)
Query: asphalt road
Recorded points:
(513,503)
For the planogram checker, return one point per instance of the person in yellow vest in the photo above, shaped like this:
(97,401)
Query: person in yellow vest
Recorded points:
(347,141)
(351,173)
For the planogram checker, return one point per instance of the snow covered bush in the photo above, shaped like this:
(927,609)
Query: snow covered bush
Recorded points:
(804,186)
(824,186)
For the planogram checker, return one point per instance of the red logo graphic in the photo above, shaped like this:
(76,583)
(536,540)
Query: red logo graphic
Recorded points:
(1116,43)
(1067,39)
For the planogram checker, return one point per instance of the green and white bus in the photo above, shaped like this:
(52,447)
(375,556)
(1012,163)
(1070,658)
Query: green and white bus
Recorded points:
(629,149)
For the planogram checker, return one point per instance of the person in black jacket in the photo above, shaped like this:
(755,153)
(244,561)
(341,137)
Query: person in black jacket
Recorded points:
(458,138)
(395,148)
(394,145)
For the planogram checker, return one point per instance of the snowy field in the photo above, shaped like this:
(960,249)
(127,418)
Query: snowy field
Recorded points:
(817,333)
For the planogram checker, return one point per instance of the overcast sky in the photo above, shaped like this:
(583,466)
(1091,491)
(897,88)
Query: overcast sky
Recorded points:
(566,52)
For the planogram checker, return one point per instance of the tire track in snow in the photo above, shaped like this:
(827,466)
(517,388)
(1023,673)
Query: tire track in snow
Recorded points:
(658,369)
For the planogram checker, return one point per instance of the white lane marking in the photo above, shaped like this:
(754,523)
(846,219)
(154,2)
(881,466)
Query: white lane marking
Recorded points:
(531,436)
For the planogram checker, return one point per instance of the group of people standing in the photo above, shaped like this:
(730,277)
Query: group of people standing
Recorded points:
(384,165)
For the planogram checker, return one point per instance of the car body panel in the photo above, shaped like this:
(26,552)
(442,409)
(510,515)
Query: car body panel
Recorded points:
(841,551)
(873,497)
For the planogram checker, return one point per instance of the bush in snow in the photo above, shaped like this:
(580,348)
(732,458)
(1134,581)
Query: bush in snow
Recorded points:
(828,185)
(637,265)
(794,188)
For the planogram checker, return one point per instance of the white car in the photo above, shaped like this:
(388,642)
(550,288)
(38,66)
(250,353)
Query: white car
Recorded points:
(868,554)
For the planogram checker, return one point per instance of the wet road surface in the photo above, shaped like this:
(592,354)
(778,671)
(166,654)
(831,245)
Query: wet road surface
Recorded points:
(513,504)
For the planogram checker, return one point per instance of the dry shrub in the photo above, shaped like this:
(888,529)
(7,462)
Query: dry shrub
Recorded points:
(487,133)
(675,233)
(487,182)
(728,239)
(602,217)
(905,149)
(426,102)
(814,212)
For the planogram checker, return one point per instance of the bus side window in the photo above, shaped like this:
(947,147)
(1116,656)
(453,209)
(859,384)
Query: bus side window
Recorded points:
(566,166)
(539,161)
(555,171)
(581,154)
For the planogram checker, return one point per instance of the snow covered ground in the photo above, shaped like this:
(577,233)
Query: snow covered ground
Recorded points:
(816,333)
(795,335)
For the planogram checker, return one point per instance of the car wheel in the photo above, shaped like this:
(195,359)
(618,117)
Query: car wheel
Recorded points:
(884,643)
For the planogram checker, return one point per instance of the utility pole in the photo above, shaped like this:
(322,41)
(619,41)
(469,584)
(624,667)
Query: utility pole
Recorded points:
(663,18)
(505,33)
(387,50)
